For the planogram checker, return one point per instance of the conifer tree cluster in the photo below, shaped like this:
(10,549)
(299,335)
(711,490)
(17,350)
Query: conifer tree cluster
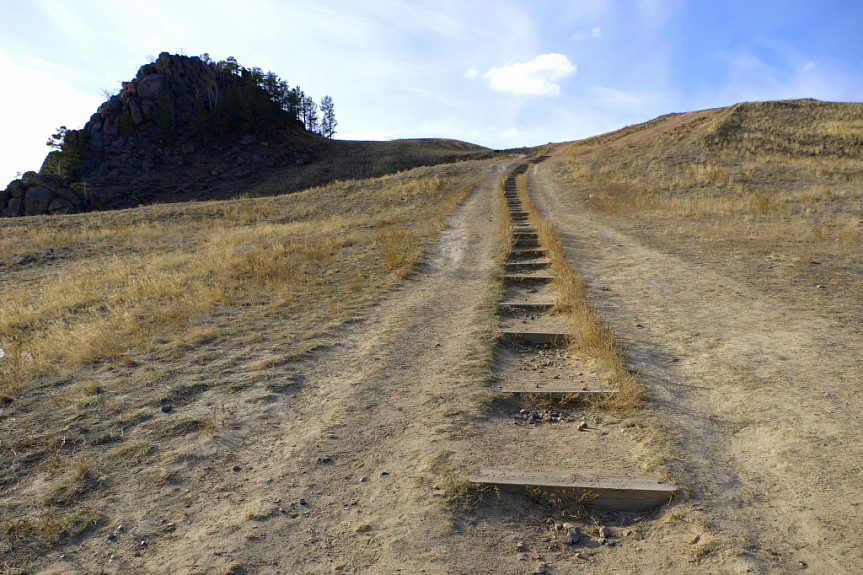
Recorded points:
(252,96)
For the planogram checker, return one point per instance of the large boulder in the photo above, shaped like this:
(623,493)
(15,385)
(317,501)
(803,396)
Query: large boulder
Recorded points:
(69,195)
(4,198)
(149,87)
(14,208)
(61,206)
(17,188)
(37,200)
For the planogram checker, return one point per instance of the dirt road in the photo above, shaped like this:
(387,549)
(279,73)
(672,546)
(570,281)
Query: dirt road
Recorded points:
(758,392)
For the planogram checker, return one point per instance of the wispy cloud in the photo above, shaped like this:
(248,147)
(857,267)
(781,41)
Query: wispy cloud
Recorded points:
(471,73)
(538,77)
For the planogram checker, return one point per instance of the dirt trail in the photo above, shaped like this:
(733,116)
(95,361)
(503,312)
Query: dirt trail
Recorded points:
(761,398)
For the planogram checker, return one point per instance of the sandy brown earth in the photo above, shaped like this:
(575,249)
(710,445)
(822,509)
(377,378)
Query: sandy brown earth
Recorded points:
(757,388)
(358,464)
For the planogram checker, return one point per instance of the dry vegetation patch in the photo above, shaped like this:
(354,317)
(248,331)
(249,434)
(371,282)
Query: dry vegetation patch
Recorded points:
(775,184)
(112,320)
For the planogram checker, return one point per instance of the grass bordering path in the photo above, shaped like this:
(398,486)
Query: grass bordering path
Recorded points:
(590,333)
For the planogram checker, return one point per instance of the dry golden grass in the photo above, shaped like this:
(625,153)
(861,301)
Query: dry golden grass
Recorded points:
(589,332)
(777,183)
(106,317)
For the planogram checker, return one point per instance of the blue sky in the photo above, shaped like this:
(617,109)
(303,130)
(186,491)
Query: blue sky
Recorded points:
(500,73)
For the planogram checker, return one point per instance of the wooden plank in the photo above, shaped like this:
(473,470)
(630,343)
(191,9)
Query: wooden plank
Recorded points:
(527,252)
(524,243)
(528,306)
(624,493)
(527,265)
(534,337)
(562,391)
(529,277)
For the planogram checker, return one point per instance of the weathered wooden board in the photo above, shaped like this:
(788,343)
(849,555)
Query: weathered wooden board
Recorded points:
(529,277)
(535,252)
(526,266)
(528,306)
(625,493)
(559,391)
(534,337)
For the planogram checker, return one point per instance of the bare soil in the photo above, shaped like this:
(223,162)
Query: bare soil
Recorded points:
(356,460)
(757,386)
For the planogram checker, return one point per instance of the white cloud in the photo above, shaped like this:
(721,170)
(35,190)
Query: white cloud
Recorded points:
(596,32)
(509,134)
(471,73)
(538,77)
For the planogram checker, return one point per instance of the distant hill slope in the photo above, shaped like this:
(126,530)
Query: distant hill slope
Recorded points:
(749,130)
(189,128)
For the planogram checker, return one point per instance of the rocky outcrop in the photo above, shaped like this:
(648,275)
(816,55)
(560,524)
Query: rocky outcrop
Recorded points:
(36,194)
(179,114)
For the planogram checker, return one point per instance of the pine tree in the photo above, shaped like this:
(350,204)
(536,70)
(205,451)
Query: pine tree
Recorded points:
(310,114)
(328,118)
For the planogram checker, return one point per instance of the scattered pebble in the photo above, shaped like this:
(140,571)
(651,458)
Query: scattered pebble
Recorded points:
(302,501)
(167,407)
(236,468)
(111,536)
(121,528)
(363,479)
(604,532)
(325,460)
(384,473)
(574,535)
(582,426)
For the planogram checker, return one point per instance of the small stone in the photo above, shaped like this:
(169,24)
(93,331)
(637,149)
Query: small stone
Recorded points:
(582,426)
(302,501)
(574,535)
(143,543)
(363,479)
(236,468)
(111,536)
(602,541)
(384,473)
(121,528)
(166,408)
(326,460)
(604,532)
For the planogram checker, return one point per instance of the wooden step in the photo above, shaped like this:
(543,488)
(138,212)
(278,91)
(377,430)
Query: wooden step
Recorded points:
(624,493)
(528,277)
(516,267)
(528,306)
(534,252)
(533,337)
(561,391)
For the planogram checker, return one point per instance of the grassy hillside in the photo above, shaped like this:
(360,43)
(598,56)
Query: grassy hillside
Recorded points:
(112,319)
(775,185)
